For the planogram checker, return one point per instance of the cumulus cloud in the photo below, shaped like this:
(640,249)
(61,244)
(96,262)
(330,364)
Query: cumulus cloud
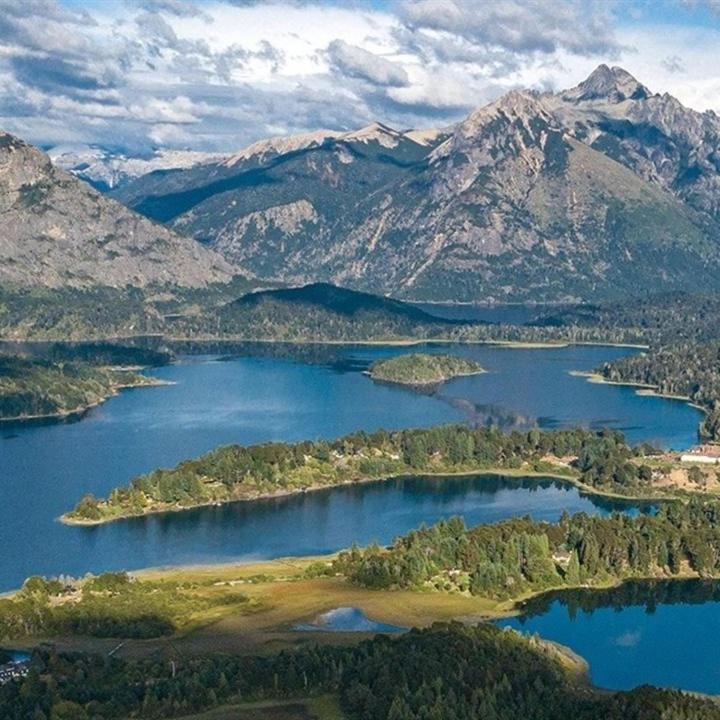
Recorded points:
(522,26)
(218,75)
(356,62)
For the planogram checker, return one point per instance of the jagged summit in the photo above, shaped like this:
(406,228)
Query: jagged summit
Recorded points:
(515,120)
(610,84)
(375,131)
(601,190)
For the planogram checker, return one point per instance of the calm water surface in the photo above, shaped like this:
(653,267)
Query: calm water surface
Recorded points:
(663,634)
(347,619)
(45,469)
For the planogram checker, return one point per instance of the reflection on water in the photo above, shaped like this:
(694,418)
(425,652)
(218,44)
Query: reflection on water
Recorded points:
(312,392)
(658,632)
(312,523)
(633,593)
(347,619)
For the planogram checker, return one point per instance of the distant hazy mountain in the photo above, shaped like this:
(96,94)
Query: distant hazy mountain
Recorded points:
(599,191)
(57,231)
(105,170)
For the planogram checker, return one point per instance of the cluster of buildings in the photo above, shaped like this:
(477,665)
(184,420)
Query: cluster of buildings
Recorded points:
(709,454)
(14,670)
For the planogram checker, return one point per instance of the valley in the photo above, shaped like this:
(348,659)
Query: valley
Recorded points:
(435,423)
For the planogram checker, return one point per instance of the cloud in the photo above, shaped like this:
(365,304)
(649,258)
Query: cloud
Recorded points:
(179,8)
(219,74)
(355,62)
(522,26)
(629,639)
(673,64)
(57,74)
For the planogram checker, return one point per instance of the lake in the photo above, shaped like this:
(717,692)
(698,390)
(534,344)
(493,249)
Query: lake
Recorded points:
(307,393)
(661,633)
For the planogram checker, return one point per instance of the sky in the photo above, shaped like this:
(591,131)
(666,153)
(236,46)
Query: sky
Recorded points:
(135,75)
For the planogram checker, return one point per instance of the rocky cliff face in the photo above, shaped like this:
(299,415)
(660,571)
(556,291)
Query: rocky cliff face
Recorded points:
(599,191)
(654,135)
(57,231)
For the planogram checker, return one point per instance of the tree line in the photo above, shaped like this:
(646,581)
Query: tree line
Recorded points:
(234,472)
(515,556)
(447,672)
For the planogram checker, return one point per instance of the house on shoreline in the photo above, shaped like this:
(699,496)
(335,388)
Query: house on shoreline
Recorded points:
(708,454)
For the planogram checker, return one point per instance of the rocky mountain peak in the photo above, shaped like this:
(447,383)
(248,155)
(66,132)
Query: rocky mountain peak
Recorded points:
(515,121)
(58,231)
(263,149)
(607,84)
(377,132)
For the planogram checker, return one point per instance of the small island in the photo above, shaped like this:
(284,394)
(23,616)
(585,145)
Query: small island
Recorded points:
(419,369)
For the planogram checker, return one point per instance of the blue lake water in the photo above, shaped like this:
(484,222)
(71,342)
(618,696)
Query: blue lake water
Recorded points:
(347,619)
(45,469)
(663,634)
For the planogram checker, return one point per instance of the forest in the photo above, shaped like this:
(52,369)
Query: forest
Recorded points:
(688,369)
(446,672)
(513,557)
(237,472)
(44,388)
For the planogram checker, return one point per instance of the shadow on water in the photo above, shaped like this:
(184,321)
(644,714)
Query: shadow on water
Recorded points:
(647,594)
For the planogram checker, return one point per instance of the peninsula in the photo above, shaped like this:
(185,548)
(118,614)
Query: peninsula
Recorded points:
(33,389)
(600,463)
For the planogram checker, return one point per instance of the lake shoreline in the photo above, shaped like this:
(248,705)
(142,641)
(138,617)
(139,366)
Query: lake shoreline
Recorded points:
(81,410)
(394,342)
(425,383)
(642,389)
(573,481)
(301,491)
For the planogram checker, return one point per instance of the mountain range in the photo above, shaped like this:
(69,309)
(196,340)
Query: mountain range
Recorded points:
(106,170)
(603,190)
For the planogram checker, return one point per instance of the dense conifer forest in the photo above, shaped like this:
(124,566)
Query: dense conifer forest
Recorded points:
(447,672)
(45,388)
(513,557)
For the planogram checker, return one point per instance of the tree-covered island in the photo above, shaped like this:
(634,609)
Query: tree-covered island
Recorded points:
(423,369)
